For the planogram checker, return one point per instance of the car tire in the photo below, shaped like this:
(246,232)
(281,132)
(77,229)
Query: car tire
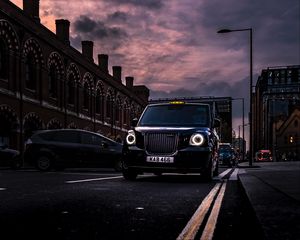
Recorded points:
(129,174)
(207,173)
(118,165)
(43,163)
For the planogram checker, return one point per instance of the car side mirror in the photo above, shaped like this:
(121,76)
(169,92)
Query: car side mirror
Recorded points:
(217,123)
(134,122)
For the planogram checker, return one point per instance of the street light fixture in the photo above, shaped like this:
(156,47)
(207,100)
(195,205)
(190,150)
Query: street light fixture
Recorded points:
(250,87)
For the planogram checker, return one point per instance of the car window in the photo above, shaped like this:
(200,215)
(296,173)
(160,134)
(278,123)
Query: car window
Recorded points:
(67,136)
(91,139)
(47,136)
(176,115)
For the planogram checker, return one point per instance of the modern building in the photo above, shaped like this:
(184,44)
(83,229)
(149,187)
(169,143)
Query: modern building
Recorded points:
(287,137)
(276,98)
(45,83)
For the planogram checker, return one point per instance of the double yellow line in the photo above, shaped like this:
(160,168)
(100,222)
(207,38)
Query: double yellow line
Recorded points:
(214,197)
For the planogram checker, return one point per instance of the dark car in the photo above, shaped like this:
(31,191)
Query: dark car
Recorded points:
(10,157)
(62,148)
(172,137)
(227,156)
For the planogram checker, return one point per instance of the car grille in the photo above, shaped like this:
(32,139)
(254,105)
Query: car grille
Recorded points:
(161,143)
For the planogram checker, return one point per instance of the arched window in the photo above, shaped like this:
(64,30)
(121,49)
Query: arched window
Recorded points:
(98,101)
(117,111)
(108,106)
(71,90)
(3,61)
(30,72)
(126,113)
(86,96)
(53,81)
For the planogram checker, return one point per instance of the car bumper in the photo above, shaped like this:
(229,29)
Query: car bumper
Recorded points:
(188,160)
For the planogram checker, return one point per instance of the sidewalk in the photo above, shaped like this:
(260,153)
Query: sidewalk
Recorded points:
(273,189)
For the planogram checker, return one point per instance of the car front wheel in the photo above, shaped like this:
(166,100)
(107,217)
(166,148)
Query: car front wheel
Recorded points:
(207,173)
(118,165)
(129,174)
(43,163)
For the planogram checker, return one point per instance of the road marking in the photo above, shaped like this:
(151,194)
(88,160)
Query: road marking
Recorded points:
(2,189)
(210,226)
(83,174)
(233,176)
(221,175)
(192,227)
(93,179)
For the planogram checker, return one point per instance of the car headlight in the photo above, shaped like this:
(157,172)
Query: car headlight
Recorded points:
(197,139)
(130,138)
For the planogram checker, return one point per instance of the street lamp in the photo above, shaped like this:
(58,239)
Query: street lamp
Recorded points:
(250,86)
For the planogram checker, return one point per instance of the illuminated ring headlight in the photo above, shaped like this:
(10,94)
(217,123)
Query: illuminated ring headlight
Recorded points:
(130,138)
(197,139)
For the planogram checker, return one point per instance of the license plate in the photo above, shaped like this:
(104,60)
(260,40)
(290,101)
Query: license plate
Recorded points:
(159,159)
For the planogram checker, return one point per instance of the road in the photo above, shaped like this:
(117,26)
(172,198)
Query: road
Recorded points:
(100,204)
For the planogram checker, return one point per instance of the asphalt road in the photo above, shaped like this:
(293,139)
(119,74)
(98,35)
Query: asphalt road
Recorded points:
(92,204)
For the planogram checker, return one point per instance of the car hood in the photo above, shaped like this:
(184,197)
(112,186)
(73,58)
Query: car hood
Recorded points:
(10,151)
(172,129)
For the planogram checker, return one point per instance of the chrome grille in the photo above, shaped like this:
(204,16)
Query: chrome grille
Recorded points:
(161,143)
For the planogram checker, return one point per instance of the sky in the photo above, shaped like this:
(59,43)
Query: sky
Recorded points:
(173,48)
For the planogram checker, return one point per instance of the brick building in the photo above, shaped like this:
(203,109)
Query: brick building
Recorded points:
(45,83)
(276,98)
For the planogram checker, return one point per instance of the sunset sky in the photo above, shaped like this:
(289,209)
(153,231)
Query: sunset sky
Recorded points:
(172,46)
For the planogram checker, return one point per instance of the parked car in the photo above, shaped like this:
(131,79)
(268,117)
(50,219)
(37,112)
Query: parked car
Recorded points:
(172,137)
(10,157)
(263,156)
(227,156)
(61,148)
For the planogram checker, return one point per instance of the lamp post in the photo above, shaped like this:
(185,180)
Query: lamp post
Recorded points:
(250,87)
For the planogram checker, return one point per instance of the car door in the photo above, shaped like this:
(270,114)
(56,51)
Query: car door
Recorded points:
(67,147)
(97,151)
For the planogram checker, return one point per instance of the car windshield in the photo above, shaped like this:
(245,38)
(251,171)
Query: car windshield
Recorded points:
(176,115)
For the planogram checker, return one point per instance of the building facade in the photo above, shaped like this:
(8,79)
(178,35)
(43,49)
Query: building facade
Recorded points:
(45,83)
(276,98)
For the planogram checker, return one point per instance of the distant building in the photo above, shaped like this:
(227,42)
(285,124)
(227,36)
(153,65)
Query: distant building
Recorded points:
(45,83)
(277,95)
(287,137)
(239,145)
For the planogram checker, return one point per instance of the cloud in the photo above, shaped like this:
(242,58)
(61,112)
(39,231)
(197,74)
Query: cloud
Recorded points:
(84,24)
(237,90)
(118,17)
(97,29)
(149,4)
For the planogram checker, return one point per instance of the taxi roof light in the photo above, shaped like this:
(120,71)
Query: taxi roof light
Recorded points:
(177,102)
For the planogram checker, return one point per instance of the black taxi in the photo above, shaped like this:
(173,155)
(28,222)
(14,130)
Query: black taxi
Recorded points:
(173,137)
